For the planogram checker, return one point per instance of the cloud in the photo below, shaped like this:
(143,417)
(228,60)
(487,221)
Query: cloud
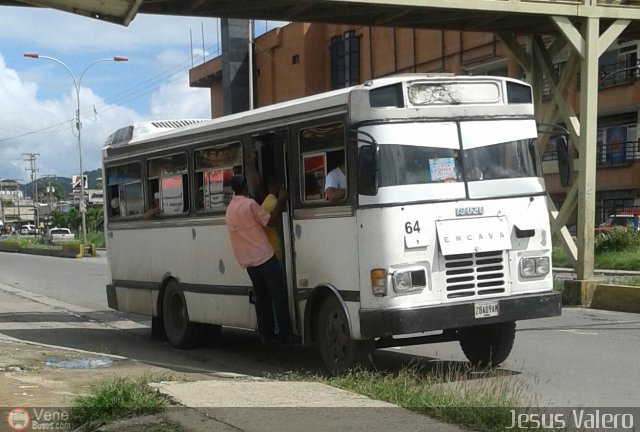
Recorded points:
(73,34)
(39,100)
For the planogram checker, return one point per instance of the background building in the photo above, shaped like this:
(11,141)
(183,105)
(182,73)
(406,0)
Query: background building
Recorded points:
(302,59)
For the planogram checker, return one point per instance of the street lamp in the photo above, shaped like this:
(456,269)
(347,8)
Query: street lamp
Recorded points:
(77,83)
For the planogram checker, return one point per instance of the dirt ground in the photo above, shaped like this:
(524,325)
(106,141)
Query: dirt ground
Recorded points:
(29,379)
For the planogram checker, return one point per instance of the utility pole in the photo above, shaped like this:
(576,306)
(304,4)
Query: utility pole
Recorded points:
(49,189)
(31,158)
(2,205)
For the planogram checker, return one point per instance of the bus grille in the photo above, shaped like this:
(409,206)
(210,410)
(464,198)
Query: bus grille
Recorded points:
(479,274)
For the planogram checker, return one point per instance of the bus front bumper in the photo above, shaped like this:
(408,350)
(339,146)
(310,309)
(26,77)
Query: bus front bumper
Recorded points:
(376,323)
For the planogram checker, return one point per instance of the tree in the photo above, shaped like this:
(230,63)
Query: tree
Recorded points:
(94,214)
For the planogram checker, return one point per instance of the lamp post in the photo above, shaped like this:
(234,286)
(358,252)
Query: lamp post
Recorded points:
(77,83)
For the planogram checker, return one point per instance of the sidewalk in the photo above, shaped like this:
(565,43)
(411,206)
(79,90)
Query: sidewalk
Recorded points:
(202,402)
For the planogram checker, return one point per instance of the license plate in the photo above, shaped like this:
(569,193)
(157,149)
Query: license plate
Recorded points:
(486,309)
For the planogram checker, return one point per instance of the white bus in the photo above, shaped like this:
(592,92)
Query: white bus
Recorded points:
(443,234)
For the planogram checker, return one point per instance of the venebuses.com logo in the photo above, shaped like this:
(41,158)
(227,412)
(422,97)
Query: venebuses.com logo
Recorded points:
(21,419)
(18,419)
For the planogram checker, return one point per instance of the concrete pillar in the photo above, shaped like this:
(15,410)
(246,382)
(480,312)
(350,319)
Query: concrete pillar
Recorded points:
(588,134)
(235,65)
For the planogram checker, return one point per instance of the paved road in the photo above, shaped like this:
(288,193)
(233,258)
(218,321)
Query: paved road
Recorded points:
(584,358)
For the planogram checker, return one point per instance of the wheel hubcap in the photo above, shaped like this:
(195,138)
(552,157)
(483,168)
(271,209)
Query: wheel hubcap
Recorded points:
(337,337)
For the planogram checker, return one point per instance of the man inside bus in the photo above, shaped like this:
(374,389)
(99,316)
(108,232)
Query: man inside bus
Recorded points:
(245,220)
(335,187)
(115,206)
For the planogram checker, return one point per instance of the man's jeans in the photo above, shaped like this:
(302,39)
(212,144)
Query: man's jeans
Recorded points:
(270,289)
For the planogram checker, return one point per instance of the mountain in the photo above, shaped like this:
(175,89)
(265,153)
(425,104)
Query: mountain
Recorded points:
(65,182)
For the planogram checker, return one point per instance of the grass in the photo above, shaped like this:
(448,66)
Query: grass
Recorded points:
(449,394)
(609,260)
(97,238)
(118,399)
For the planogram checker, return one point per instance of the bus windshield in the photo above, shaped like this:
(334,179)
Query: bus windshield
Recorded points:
(408,165)
(476,153)
(512,159)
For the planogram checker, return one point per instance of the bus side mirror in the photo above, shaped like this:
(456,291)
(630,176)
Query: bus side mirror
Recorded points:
(367,170)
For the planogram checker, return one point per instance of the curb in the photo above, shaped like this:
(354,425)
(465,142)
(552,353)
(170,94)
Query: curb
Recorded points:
(598,295)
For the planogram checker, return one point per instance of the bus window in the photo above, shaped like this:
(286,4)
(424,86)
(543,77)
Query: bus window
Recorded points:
(322,149)
(169,176)
(214,168)
(125,190)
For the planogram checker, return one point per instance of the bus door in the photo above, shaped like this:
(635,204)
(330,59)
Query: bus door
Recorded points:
(271,152)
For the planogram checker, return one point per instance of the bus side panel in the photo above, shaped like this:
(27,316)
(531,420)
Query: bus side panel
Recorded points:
(199,258)
(326,254)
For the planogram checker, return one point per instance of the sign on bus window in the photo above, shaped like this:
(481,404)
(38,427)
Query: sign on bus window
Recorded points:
(172,195)
(216,157)
(214,168)
(217,188)
(167,165)
(442,169)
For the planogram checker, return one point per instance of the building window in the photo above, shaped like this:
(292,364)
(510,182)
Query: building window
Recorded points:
(345,60)
(295,59)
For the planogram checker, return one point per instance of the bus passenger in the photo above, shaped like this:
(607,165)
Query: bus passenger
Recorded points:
(336,183)
(115,206)
(245,220)
(269,203)
(154,209)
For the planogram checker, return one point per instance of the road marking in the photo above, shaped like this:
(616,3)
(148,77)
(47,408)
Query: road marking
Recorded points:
(578,332)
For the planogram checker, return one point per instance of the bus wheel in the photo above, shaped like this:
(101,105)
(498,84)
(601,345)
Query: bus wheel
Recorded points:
(180,332)
(488,345)
(338,350)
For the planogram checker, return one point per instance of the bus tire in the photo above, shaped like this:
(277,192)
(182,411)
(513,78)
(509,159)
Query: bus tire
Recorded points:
(181,333)
(339,351)
(489,345)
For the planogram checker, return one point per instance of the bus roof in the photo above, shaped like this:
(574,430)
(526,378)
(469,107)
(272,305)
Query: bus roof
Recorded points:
(141,133)
(147,129)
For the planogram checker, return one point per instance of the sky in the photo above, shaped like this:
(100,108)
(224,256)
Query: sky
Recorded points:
(38,97)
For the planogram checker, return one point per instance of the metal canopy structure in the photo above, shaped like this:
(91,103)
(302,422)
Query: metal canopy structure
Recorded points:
(517,16)
(586,27)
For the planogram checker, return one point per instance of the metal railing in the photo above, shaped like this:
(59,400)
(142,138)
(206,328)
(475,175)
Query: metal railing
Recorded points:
(612,154)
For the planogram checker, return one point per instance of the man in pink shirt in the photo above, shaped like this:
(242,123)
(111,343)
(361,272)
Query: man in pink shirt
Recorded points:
(245,220)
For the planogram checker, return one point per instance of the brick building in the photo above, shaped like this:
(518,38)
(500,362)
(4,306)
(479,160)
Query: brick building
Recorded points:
(302,59)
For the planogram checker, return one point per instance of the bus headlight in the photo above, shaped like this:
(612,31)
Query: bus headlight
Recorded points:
(409,280)
(534,267)
(379,282)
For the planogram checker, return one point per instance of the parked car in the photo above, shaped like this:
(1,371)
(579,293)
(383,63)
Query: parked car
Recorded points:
(28,229)
(59,235)
(616,221)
